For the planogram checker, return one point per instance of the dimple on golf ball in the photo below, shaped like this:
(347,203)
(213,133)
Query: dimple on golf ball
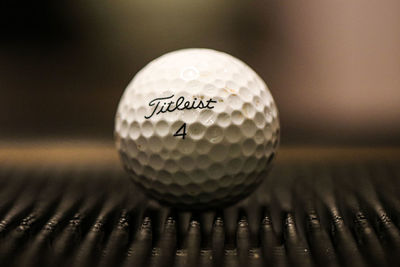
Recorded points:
(197,128)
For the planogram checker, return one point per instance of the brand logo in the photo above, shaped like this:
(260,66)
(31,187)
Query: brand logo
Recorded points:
(165,104)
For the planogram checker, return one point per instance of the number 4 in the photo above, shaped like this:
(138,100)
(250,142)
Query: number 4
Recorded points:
(181,129)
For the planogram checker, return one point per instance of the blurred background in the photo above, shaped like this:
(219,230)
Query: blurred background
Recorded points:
(333,67)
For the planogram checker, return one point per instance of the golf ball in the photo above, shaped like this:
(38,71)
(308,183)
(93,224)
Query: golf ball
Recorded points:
(197,128)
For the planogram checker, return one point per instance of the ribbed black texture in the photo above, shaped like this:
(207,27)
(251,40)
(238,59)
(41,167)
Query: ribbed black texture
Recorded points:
(338,214)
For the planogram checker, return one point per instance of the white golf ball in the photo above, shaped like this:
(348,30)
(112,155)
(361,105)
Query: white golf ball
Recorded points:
(197,128)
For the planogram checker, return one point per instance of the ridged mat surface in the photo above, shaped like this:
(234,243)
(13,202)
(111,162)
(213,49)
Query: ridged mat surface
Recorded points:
(306,214)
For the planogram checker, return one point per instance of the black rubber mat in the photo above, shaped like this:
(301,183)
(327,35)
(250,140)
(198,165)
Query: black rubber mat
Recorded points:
(320,214)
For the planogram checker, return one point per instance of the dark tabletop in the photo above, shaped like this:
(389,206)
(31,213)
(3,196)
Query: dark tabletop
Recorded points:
(73,205)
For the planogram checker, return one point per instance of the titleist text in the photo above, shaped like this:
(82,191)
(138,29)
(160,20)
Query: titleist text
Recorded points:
(165,104)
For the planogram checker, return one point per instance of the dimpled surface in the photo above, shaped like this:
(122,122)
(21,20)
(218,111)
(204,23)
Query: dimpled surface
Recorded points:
(229,142)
